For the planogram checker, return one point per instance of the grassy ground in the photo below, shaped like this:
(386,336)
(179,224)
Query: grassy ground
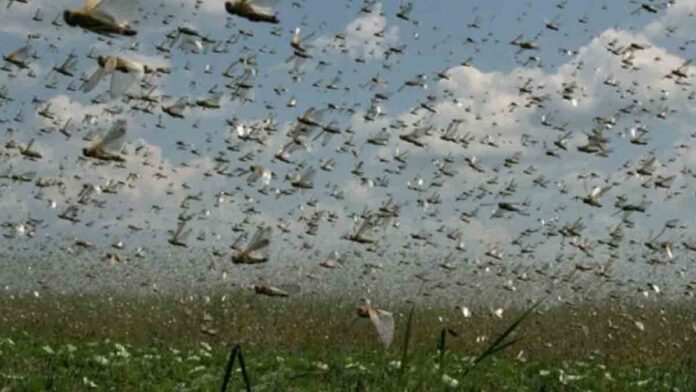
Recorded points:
(80,343)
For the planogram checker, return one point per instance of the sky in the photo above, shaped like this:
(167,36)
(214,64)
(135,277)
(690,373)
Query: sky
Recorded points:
(583,76)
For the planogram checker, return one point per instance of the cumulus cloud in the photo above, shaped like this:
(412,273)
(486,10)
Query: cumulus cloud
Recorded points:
(169,166)
(366,37)
(491,104)
(493,109)
(679,21)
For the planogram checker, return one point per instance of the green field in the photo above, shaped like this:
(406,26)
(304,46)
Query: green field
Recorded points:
(80,343)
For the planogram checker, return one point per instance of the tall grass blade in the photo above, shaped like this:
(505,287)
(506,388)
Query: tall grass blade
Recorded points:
(407,339)
(236,352)
(499,343)
(228,368)
(245,375)
(441,349)
(503,346)
(441,341)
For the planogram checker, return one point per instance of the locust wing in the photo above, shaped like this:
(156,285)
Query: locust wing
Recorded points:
(122,81)
(99,74)
(118,11)
(258,246)
(384,324)
(114,137)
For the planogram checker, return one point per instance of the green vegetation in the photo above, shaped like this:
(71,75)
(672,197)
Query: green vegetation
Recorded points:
(76,344)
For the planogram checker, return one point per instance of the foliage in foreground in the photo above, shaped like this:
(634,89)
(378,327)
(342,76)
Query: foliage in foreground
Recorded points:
(65,344)
(28,363)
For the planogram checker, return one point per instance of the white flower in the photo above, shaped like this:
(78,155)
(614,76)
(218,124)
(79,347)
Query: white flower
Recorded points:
(357,366)
(86,381)
(121,351)
(395,364)
(197,369)
(450,381)
(102,360)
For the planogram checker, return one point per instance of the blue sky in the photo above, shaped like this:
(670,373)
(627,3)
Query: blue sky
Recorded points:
(485,96)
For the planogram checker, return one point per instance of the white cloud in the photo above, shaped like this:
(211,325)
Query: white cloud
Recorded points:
(490,102)
(679,21)
(366,37)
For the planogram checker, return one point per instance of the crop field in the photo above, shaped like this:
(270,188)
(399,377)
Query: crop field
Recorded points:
(148,344)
